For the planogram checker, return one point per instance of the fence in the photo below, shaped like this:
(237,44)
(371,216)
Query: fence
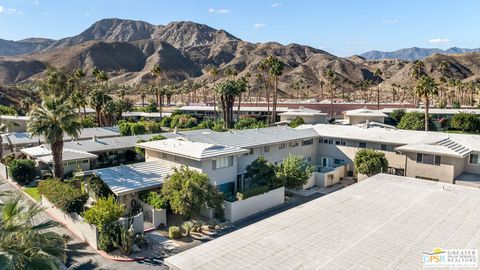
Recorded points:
(3,171)
(237,210)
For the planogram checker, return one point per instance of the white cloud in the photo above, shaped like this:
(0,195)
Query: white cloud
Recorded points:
(355,43)
(442,41)
(221,10)
(393,21)
(10,11)
(275,5)
(36,2)
(259,25)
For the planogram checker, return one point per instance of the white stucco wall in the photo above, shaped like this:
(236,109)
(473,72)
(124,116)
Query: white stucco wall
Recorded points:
(235,211)
(446,172)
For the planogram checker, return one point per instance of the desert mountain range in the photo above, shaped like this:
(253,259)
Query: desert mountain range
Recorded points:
(128,49)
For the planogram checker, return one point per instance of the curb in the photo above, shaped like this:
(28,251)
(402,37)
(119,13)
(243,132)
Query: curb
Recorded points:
(102,253)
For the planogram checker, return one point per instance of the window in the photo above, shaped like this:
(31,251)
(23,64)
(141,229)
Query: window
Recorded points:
(222,162)
(164,155)
(282,146)
(426,178)
(307,142)
(85,161)
(338,142)
(474,159)
(362,145)
(383,147)
(266,149)
(343,143)
(72,163)
(327,141)
(308,159)
(429,159)
(294,144)
(227,189)
(338,161)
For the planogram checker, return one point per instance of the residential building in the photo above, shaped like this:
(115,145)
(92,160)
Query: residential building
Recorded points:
(15,123)
(359,116)
(444,157)
(13,142)
(384,222)
(207,112)
(309,116)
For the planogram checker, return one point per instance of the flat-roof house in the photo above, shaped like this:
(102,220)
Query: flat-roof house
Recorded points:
(218,161)
(360,116)
(156,116)
(435,156)
(72,159)
(384,222)
(309,116)
(13,142)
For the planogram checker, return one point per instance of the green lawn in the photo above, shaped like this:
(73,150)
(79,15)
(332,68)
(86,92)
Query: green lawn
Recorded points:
(33,191)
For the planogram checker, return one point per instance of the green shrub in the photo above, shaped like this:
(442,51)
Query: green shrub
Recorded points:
(183,121)
(165,122)
(98,187)
(415,121)
(63,195)
(125,128)
(188,226)
(138,129)
(297,121)
(465,122)
(174,232)
(5,110)
(152,107)
(154,199)
(249,123)
(153,127)
(104,212)
(22,171)
(251,192)
(109,237)
(87,122)
(370,162)
(397,115)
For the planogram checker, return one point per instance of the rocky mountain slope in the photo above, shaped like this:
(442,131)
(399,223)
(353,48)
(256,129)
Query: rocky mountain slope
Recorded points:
(128,49)
(414,53)
(10,47)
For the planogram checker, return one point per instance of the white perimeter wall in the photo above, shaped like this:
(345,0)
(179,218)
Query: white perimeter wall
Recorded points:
(235,211)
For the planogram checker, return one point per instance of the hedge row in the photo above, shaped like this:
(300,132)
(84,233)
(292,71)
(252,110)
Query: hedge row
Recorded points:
(63,195)
(251,192)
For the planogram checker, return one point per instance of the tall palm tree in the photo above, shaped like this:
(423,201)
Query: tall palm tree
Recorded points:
(426,87)
(322,83)
(213,72)
(262,68)
(156,72)
(26,104)
(228,90)
(332,78)
(275,70)
(242,86)
(378,75)
(79,100)
(25,244)
(53,120)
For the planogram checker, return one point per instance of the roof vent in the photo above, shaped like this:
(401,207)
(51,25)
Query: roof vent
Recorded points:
(94,138)
(175,130)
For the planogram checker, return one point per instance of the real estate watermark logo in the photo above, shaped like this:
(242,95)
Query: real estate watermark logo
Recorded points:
(451,258)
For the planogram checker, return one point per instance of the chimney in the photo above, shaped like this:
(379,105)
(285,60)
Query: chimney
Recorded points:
(175,130)
(94,138)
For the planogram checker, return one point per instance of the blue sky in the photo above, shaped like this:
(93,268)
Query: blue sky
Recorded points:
(342,27)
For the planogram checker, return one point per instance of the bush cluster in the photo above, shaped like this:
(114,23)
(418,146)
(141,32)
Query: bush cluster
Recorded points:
(63,195)
(174,232)
(466,122)
(138,128)
(154,199)
(251,192)
(98,187)
(22,171)
(249,123)
(5,110)
(297,121)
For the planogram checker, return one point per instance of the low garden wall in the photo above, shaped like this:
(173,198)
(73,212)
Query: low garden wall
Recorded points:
(325,179)
(235,211)
(159,216)
(3,171)
(74,222)
(137,223)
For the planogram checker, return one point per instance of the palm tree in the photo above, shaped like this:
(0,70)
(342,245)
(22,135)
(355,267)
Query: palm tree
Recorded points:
(26,104)
(276,70)
(53,120)
(98,99)
(79,101)
(332,78)
(228,90)
(242,85)
(261,68)
(378,75)
(156,71)
(322,83)
(418,69)
(426,87)
(213,72)
(4,128)
(25,244)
